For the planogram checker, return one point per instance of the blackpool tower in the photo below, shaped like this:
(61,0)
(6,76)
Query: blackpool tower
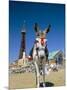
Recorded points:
(23,43)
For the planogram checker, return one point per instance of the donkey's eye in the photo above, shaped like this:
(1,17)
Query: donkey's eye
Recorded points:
(36,41)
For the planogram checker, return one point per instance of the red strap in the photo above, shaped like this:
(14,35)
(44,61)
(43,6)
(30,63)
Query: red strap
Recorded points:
(42,41)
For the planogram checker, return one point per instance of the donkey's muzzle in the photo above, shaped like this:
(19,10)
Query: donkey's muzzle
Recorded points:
(41,57)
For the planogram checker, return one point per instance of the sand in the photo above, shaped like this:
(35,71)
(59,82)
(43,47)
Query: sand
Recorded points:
(27,80)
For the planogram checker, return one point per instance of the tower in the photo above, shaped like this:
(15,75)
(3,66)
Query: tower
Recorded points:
(22,48)
(23,42)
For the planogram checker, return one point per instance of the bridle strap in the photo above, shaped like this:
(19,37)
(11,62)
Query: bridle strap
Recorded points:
(42,41)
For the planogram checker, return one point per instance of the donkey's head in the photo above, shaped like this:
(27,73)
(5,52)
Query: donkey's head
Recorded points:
(40,42)
(39,33)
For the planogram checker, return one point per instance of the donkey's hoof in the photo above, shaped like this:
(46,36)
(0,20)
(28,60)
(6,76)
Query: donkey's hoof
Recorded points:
(42,84)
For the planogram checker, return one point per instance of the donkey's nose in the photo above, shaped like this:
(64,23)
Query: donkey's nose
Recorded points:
(42,57)
(42,41)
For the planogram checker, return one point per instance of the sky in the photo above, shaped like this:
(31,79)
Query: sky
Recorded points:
(42,13)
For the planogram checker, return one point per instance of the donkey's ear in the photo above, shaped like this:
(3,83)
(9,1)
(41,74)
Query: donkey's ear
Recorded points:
(47,29)
(36,27)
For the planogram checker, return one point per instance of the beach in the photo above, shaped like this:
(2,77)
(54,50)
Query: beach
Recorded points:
(28,80)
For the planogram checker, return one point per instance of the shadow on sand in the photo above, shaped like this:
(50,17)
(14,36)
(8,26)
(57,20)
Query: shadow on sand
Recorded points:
(47,84)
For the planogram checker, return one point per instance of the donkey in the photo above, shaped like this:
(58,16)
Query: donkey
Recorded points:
(40,53)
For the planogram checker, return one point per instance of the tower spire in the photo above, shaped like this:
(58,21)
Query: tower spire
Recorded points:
(24,27)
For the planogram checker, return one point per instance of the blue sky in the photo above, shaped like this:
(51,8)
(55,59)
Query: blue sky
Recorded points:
(43,14)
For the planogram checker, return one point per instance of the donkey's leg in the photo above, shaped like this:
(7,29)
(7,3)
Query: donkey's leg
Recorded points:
(41,71)
(43,77)
(37,75)
(43,65)
(42,74)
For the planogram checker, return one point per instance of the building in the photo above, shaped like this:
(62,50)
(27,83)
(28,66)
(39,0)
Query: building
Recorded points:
(56,57)
(23,62)
(13,65)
